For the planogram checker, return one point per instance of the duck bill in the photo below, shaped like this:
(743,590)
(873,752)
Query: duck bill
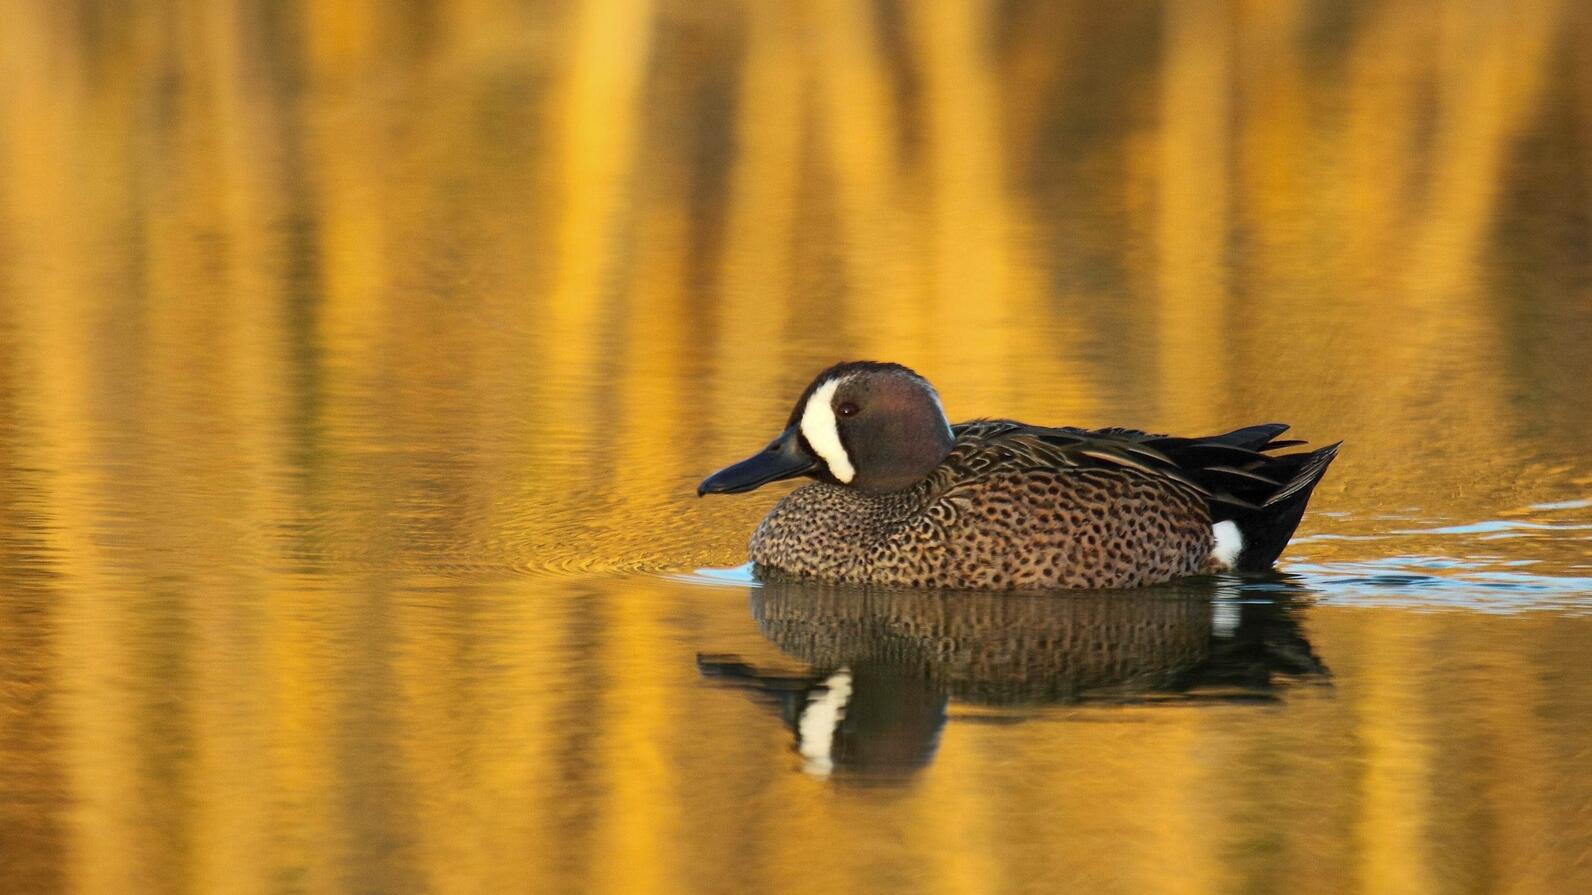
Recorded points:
(784,458)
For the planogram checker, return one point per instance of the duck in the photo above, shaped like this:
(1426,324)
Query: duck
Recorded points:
(902,497)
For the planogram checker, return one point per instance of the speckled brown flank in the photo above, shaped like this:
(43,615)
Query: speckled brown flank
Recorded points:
(999,513)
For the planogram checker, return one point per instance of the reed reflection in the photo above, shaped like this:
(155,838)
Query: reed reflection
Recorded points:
(881,667)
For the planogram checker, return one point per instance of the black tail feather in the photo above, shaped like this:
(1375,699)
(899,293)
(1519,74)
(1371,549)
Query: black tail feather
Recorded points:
(1267,528)
(1252,438)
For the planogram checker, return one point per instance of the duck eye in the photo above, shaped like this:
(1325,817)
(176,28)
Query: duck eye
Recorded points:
(846,409)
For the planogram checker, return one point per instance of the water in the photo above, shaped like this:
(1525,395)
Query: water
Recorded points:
(358,363)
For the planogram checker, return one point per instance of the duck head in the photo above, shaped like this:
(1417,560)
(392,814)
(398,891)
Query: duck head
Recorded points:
(870,426)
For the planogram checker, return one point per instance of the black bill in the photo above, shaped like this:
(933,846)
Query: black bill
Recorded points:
(783,458)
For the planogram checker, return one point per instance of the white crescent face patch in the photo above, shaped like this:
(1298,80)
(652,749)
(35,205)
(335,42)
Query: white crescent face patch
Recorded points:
(818,426)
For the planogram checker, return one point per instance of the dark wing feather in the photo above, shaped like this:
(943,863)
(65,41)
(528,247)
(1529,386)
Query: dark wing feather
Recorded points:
(1255,438)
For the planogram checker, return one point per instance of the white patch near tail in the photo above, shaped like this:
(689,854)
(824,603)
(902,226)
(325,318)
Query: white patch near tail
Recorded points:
(819,426)
(1229,543)
(1225,616)
(815,730)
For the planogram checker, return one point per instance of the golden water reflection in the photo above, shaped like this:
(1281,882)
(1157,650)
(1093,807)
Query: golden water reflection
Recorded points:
(358,360)
(494,736)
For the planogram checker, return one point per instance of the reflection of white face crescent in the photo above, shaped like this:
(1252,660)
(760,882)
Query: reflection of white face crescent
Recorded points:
(815,731)
(821,431)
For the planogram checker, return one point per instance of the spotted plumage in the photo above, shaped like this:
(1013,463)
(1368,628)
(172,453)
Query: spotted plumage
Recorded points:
(999,504)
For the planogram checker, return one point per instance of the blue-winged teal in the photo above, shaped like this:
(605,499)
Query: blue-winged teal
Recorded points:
(903,497)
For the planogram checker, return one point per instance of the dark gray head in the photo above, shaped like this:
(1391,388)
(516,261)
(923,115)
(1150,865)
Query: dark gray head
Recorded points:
(875,427)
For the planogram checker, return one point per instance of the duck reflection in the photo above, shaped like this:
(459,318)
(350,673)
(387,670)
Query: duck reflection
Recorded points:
(882,666)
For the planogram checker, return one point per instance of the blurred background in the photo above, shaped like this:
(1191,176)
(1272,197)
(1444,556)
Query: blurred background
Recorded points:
(358,361)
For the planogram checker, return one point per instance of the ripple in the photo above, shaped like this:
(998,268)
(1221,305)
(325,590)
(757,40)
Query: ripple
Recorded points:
(574,566)
(1414,581)
(1493,525)
(736,576)
(1562,505)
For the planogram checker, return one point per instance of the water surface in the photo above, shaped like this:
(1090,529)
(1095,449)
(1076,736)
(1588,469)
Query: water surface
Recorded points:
(358,363)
